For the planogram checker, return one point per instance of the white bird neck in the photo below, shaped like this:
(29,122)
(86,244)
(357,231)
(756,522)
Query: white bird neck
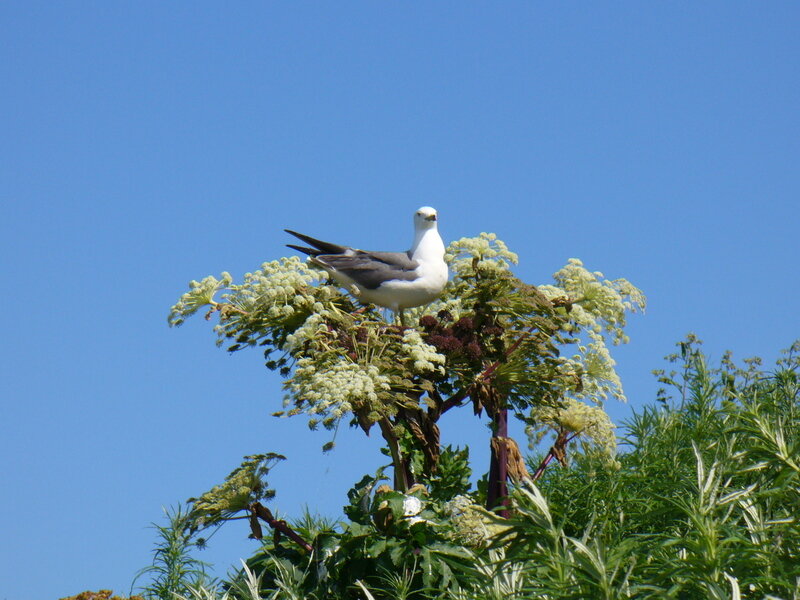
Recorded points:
(427,242)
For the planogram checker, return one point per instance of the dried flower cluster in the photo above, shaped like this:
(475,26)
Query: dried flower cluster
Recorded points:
(461,339)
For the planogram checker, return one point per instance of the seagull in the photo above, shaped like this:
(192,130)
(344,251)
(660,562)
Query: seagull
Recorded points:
(393,280)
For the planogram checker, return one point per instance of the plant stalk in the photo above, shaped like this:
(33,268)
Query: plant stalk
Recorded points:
(402,475)
(497,493)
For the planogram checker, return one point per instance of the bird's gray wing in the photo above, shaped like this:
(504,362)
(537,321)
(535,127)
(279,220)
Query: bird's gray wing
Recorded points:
(371,269)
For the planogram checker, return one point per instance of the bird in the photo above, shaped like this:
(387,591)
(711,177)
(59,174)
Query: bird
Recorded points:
(393,280)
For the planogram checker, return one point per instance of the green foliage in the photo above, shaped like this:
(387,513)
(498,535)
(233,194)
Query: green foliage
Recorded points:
(405,544)
(247,589)
(452,476)
(707,494)
(704,505)
(173,570)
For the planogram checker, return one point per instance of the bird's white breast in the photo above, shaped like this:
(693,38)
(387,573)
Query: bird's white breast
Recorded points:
(432,277)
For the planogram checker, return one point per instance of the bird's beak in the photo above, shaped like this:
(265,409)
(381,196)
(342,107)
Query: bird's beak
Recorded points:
(431,218)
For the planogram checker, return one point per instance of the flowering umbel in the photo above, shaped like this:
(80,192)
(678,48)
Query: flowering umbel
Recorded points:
(490,339)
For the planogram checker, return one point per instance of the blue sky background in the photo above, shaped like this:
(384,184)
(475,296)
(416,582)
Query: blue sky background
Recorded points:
(146,144)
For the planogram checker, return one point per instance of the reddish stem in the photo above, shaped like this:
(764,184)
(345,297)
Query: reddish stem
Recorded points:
(559,446)
(497,492)
(263,513)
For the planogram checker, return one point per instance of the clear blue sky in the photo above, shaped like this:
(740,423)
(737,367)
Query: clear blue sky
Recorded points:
(146,144)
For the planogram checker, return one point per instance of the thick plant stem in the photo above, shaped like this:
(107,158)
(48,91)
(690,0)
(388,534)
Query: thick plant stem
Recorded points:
(497,493)
(402,476)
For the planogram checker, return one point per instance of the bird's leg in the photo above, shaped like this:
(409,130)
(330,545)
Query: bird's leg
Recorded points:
(401,317)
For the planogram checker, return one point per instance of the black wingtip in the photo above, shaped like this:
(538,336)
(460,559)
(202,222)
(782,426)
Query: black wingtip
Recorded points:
(304,250)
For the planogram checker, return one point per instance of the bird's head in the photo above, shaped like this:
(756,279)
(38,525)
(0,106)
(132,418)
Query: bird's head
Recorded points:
(425,218)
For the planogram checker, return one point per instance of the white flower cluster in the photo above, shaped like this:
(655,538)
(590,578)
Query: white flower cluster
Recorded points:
(313,329)
(600,377)
(491,254)
(200,294)
(412,506)
(595,368)
(284,285)
(281,288)
(333,390)
(591,423)
(599,303)
(423,357)
(598,307)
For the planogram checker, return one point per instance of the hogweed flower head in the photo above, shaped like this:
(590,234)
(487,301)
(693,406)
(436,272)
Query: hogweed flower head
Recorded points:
(423,358)
(591,424)
(201,294)
(604,301)
(334,389)
(597,310)
(484,252)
